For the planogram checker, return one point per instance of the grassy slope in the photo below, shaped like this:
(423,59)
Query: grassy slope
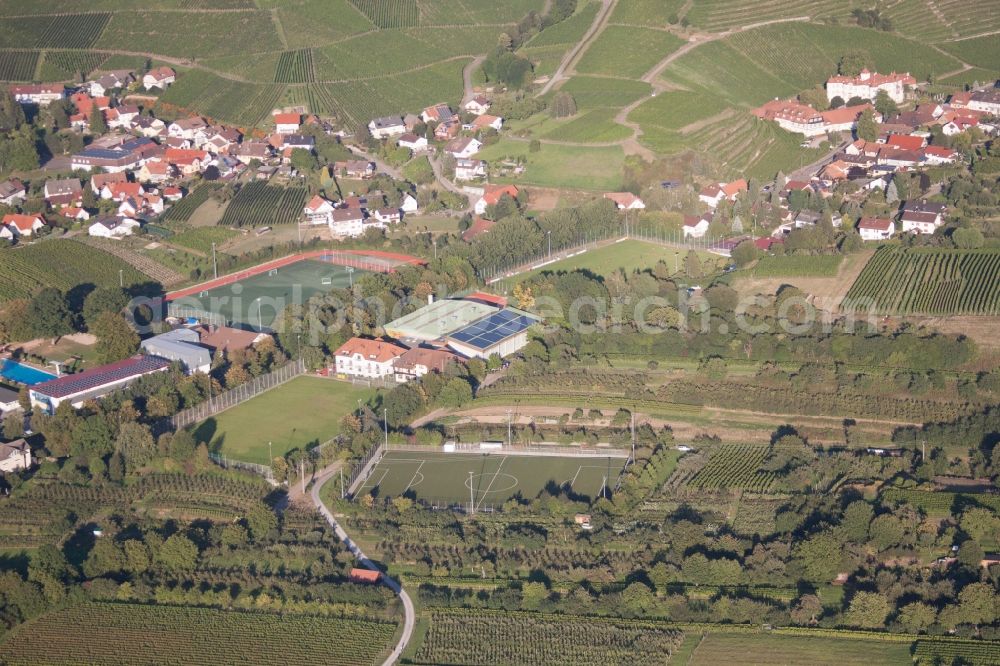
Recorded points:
(766,650)
(305,411)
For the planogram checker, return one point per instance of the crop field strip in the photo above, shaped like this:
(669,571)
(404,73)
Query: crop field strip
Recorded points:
(295,67)
(68,65)
(734,466)
(495,637)
(389,13)
(569,31)
(934,282)
(941,503)
(242,104)
(185,208)
(104,633)
(971,652)
(18,65)
(66,31)
(258,204)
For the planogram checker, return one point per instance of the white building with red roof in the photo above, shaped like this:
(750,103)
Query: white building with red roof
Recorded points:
(876,228)
(867,85)
(491,196)
(160,77)
(287,123)
(23,225)
(696,227)
(625,200)
(41,94)
(318,211)
(369,359)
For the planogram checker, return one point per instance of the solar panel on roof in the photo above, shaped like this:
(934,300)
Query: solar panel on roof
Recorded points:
(492,329)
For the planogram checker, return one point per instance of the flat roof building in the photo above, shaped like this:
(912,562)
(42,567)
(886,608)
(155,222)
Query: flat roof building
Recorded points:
(182,345)
(501,333)
(439,319)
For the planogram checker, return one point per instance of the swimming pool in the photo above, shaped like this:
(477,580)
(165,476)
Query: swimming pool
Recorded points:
(23,374)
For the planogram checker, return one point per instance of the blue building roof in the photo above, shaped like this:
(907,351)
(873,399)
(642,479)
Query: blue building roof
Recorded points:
(494,328)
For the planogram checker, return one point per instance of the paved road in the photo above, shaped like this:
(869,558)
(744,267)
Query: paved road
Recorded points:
(600,21)
(410,615)
(467,79)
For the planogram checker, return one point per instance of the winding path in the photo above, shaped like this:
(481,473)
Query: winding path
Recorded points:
(573,56)
(410,616)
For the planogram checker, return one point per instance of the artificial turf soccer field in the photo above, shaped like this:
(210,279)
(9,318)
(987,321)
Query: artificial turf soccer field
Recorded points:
(238,302)
(496,477)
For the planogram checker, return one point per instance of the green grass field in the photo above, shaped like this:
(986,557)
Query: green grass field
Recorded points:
(490,479)
(256,300)
(298,414)
(795,266)
(563,166)
(771,649)
(628,255)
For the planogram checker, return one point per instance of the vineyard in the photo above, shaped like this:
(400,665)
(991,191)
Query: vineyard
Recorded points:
(243,104)
(62,264)
(798,266)
(113,633)
(941,503)
(185,208)
(64,31)
(259,204)
(492,637)
(18,65)
(734,466)
(67,65)
(389,13)
(933,281)
(973,653)
(140,262)
(295,67)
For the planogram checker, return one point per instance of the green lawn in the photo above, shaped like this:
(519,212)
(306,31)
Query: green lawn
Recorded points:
(770,649)
(563,166)
(629,255)
(495,477)
(302,413)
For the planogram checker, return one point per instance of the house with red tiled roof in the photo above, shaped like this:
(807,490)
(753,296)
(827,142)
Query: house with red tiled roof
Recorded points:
(714,194)
(625,200)
(868,84)
(491,196)
(439,113)
(696,227)
(155,171)
(318,211)
(479,226)
(287,123)
(22,225)
(463,148)
(876,228)
(940,155)
(417,362)
(478,105)
(370,359)
(74,213)
(800,118)
(160,77)
(42,94)
(487,121)
(121,191)
(187,161)
(906,141)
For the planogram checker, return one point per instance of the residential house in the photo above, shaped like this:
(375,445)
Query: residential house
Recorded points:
(172,194)
(303,141)
(362,169)
(188,162)
(318,211)
(113,227)
(160,77)
(985,100)
(491,196)
(74,213)
(409,204)
(84,103)
(64,192)
(383,128)
(6,233)
(370,359)
(149,127)
(117,154)
(417,144)
(388,215)
(478,105)
(936,155)
(121,117)
(119,192)
(347,222)
(479,226)
(418,361)
(12,192)
(222,140)
(287,123)
(906,141)
(487,121)
(439,113)
(112,80)
(186,128)
(249,151)
(898,157)
(41,94)
(464,147)
(9,401)
(156,171)
(99,180)
(447,131)
(876,228)
(920,222)
(696,227)
(23,225)
(410,121)
(868,84)
(469,169)
(15,455)
(625,200)
(359,201)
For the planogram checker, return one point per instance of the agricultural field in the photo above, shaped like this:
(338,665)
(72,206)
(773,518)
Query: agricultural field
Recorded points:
(929,281)
(569,31)
(719,15)
(796,266)
(18,65)
(593,91)
(258,204)
(951,651)
(982,51)
(25,269)
(627,52)
(185,208)
(242,104)
(310,407)
(389,13)
(593,168)
(295,67)
(494,637)
(167,33)
(628,256)
(64,31)
(594,126)
(200,239)
(654,13)
(940,503)
(734,466)
(68,65)
(769,649)
(102,633)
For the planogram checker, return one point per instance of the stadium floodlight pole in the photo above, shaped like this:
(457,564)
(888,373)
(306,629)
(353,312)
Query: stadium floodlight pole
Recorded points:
(121,278)
(508,428)
(385,427)
(215,264)
(342,494)
(350,275)
(549,235)
(472,496)
(260,321)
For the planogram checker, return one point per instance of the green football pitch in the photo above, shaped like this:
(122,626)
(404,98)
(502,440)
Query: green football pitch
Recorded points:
(486,478)
(256,300)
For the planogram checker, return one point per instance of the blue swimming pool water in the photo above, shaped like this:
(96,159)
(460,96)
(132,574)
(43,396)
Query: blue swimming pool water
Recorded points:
(23,374)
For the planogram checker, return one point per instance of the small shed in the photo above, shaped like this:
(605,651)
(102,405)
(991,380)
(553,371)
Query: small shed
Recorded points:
(365,576)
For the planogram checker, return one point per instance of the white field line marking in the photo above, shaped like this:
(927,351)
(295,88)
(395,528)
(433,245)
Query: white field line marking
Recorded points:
(385,473)
(495,475)
(573,481)
(414,477)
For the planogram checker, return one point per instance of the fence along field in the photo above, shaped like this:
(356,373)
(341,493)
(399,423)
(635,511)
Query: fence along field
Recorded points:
(258,204)
(929,281)
(494,637)
(103,633)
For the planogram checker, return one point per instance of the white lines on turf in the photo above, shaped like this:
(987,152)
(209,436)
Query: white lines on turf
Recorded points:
(414,477)
(495,475)
(578,470)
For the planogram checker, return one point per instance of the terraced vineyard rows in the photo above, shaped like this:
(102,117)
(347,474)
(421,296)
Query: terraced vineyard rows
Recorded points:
(295,67)
(935,282)
(65,31)
(735,466)
(18,65)
(493,637)
(389,13)
(941,503)
(185,208)
(951,651)
(242,104)
(258,204)
(141,264)
(104,633)
(67,65)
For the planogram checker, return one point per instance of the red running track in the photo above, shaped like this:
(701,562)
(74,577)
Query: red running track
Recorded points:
(314,254)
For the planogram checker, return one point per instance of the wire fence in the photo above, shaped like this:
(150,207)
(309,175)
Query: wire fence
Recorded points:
(521,449)
(185,312)
(230,463)
(362,469)
(238,395)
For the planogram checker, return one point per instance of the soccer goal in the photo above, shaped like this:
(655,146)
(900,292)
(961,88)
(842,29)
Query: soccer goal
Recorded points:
(272,272)
(326,281)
